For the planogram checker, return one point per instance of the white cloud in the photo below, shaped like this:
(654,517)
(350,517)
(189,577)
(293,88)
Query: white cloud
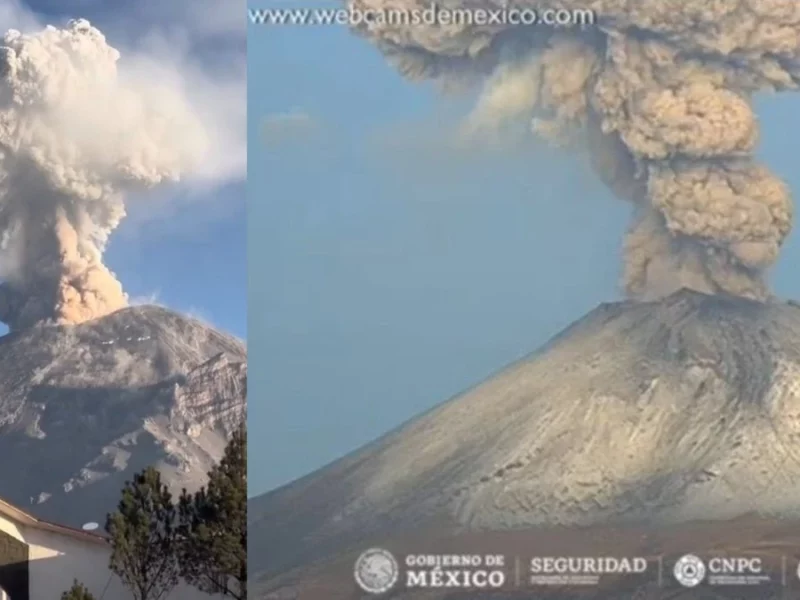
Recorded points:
(15,15)
(211,18)
(198,45)
(195,46)
(146,300)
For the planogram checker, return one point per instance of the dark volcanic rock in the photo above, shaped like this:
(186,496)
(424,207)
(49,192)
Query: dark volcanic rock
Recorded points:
(83,407)
(640,413)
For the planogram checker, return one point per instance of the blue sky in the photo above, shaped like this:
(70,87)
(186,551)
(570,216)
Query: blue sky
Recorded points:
(184,247)
(388,274)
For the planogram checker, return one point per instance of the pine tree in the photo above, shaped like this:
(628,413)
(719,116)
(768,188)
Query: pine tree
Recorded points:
(143,536)
(78,591)
(214,526)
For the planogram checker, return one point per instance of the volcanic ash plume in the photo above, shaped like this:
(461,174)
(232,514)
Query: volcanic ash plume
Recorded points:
(75,135)
(660,93)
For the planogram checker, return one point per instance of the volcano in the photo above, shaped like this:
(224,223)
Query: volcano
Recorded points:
(83,407)
(642,416)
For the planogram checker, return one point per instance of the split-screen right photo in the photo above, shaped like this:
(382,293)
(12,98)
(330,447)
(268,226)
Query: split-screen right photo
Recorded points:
(523,309)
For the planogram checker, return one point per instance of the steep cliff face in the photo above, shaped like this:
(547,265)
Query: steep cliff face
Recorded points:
(84,407)
(662,412)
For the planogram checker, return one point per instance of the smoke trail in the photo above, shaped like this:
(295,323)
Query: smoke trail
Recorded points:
(660,94)
(75,135)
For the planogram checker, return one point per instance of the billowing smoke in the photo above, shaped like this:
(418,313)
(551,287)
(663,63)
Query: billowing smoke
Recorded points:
(76,135)
(660,94)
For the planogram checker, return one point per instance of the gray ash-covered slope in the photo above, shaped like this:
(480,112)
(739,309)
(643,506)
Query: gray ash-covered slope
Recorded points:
(658,412)
(83,407)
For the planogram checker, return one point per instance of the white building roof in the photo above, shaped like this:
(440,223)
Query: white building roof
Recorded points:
(24,518)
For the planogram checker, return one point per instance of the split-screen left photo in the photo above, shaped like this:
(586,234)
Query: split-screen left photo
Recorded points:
(123,313)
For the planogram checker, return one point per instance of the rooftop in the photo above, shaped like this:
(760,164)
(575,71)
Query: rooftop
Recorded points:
(20,516)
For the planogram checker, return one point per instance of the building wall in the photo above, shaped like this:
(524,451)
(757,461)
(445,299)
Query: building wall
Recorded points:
(10,528)
(14,575)
(56,560)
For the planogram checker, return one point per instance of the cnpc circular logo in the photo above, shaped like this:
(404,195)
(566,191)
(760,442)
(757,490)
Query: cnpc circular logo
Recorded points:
(376,571)
(689,570)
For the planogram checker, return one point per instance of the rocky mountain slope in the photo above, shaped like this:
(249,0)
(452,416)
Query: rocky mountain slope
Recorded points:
(83,407)
(663,412)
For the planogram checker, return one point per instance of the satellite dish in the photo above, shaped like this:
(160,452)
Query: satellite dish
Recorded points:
(90,526)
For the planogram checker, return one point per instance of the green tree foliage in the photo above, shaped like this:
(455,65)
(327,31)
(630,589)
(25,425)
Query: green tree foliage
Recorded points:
(213,526)
(144,538)
(78,591)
